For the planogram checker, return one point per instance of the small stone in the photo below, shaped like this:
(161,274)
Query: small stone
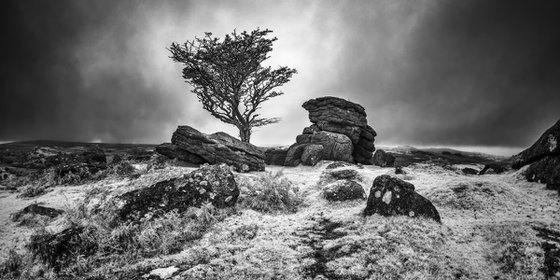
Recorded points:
(164,273)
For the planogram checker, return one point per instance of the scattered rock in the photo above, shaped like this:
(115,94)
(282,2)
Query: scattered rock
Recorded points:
(383,159)
(546,145)
(293,156)
(36,209)
(469,171)
(275,156)
(219,148)
(336,146)
(399,170)
(210,184)
(338,164)
(495,168)
(312,154)
(340,174)
(547,171)
(343,190)
(392,196)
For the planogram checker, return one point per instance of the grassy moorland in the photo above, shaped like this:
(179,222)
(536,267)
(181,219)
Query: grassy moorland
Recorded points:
(282,228)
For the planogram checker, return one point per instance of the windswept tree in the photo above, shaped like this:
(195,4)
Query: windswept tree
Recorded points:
(228,78)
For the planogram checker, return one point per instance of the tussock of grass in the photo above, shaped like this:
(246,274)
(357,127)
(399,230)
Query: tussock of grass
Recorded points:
(269,193)
(470,195)
(394,248)
(93,243)
(516,250)
(12,266)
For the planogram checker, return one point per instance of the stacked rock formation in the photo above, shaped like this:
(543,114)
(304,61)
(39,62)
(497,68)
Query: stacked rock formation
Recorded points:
(544,159)
(340,126)
(190,145)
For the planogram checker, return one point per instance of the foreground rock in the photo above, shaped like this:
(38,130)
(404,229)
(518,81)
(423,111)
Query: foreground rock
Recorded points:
(341,185)
(544,159)
(210,184)
(391,196)
(193,146)
(343,190)
(546,170)
(340,126)
(383,159)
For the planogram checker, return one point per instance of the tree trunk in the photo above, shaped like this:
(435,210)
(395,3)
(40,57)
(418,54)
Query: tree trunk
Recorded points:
(245,134)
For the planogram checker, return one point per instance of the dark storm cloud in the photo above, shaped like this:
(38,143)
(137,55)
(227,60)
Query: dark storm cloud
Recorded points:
(47,89)
(469,73)
(428,72)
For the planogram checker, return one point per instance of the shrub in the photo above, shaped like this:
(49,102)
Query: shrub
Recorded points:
(269,193)
(93,242)
(33,190)
(11,267)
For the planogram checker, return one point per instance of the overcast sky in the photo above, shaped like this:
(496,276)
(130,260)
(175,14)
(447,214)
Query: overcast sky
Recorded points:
(462,73)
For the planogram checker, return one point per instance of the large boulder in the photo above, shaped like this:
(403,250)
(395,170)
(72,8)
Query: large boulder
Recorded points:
(210,184)
(275,156)
(392,196)
(341,127)
(312,154)
(383,159)
(293,156)
(543,157)
(546,145)
(546,170)
(172,151)
(335,110)
(343,190)
(219,148)
(364,148)
(335,146)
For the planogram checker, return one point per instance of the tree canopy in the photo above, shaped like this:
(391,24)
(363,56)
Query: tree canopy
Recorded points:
(228,78)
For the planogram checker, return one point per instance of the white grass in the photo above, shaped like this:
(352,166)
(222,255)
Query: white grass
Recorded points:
(477,213)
